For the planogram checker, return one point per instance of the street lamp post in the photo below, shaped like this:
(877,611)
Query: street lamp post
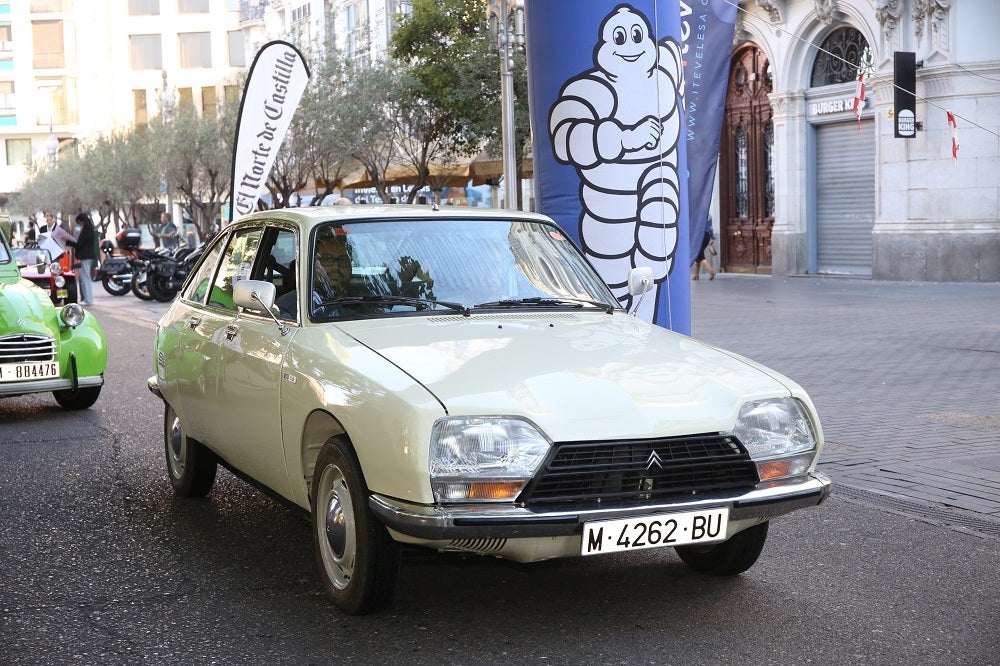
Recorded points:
(52,147)
(506,19)
(167,109)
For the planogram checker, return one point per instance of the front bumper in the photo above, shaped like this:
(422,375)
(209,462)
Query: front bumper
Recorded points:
(482,521)
(48,385)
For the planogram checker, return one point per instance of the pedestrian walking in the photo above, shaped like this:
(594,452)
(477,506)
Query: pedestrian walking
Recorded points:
(707,244)
(84,246)
(167,233)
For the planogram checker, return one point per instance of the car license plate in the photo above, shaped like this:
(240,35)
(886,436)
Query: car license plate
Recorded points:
(18,372)
(656,531)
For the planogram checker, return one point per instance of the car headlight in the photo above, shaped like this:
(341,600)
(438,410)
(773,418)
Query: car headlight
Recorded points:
(55,268)
(778,435)
(72,315)
(483,458)
(60,281)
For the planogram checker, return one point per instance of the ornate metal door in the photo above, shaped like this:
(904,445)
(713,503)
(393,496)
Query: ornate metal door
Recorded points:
(746,176)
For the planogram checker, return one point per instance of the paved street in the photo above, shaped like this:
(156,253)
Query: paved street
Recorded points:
(906,378)
(103,565)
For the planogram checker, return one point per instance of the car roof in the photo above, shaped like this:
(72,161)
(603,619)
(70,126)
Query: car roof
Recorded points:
(311,216)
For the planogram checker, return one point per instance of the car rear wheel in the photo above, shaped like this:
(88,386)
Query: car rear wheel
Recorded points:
(82,398)
(731,557)
(357,559)
(190,465)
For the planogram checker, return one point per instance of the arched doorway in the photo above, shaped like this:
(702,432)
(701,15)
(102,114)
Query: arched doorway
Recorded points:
(746,176)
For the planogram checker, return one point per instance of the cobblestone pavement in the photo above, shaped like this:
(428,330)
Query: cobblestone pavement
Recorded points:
(906,378)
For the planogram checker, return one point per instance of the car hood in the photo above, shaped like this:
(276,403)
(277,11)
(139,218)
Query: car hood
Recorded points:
(572,374)
(24,308)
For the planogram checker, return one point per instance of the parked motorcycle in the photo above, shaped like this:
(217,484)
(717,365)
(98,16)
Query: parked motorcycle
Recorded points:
(167,274)
(115,272)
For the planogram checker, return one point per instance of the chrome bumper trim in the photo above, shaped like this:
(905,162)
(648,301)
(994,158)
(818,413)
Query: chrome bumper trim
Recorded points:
(154,386)
(503,521)
(47,385)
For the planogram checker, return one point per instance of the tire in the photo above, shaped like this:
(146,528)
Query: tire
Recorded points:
(82,398)
(140,286)
(114,286)
(159,288)
(731,557)
(358,561)
(190,465)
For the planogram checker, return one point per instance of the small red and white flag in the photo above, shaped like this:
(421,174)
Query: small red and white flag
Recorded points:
(859,98)
(954,135)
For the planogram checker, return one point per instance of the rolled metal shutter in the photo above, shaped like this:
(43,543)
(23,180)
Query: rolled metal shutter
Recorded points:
(845,198)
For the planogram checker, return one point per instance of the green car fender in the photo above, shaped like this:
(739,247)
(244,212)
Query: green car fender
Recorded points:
(84,343)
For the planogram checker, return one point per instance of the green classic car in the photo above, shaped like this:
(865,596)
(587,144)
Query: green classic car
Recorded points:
(461,379)
(44,348)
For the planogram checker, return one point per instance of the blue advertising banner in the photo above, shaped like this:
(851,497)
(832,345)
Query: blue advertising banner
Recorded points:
(707,30)
(605,90)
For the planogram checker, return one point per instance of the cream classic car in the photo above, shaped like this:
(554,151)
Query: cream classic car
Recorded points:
(461,379)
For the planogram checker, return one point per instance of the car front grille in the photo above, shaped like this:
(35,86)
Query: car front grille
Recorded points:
(625,472)
(23,348)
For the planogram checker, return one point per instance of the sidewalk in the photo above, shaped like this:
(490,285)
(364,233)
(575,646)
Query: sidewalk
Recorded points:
(906,378)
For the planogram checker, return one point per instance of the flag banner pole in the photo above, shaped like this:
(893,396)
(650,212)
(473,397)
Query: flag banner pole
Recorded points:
(274,87)
(707,27)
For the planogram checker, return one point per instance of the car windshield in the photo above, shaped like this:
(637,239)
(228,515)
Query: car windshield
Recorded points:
(30,256)
(419,265)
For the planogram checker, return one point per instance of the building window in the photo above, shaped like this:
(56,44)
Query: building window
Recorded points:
(192,6)
(231,94)
(209,101)
(47,37)
(54,97)
(301,13)
(6,38)
(141,110)
(46,6)
(237,49)
(185,97)
(143,7)
(145,51)
(7,106)
(18,151)
(357,30)
(195,49)
(841,54)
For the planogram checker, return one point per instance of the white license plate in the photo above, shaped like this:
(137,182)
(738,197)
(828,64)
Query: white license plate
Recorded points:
(19,372)
(657,531)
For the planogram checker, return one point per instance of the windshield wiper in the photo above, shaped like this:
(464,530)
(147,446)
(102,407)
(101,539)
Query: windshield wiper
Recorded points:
(419,304)
(544,302)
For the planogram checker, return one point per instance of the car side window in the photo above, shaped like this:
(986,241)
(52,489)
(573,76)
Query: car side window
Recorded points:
(197,288)
(277,266)
(237,262)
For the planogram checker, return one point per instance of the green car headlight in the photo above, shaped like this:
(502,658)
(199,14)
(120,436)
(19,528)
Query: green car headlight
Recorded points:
(72,315)
(483,458)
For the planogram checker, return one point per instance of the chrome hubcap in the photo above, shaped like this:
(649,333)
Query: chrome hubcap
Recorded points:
(336,527)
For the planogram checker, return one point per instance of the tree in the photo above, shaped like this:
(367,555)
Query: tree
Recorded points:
(446,45)
(194,154)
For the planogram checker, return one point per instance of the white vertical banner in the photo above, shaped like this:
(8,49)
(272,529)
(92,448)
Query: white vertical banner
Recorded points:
(274,87)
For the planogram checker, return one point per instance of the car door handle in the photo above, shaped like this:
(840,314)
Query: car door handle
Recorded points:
(193,322)
(231,331)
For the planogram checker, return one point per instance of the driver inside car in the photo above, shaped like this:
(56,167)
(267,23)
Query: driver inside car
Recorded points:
(331,266)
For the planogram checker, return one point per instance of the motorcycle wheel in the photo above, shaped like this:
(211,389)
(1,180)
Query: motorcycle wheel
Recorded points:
(114,286)
(140,285)
(160,289)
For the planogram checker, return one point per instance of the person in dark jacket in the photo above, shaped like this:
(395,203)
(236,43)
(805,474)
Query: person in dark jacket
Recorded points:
(85,251)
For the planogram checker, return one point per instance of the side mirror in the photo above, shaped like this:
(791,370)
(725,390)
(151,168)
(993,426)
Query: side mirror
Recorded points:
(257,296)
(640,280)
(254,295)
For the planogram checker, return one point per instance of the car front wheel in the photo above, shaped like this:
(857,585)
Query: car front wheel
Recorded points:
(357,559)
(731,557)
(81,398)
(190,465)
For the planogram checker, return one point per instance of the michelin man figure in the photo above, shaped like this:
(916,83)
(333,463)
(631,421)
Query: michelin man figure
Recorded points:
(619,125)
